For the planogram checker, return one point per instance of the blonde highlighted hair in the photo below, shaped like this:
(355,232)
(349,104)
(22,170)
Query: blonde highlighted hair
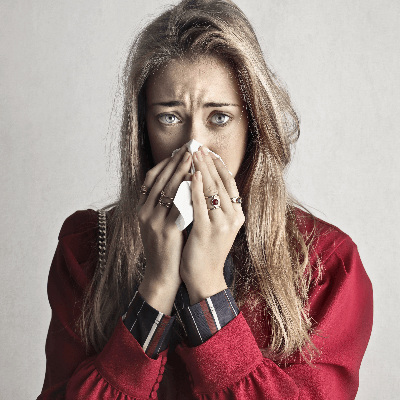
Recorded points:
(270,254)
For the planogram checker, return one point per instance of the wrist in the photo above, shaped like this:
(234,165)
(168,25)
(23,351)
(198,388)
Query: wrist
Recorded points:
(159,295)
(199,292)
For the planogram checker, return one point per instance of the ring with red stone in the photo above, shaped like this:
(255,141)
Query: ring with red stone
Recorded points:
(214,202)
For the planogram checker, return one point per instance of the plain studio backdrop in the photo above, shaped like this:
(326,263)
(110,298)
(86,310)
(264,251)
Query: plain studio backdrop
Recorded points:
(60,62)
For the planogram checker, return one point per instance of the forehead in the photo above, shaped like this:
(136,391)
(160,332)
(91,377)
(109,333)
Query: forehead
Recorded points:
(199,79)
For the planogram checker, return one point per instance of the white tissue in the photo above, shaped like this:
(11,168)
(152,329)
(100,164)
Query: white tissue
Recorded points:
(183,197)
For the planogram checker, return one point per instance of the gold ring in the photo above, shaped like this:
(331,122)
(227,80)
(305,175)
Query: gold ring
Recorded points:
(144,189)
(163,203)
(163,195)
(237,200)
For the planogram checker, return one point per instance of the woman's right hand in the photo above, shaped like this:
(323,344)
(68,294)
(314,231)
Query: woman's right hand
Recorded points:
(162,241)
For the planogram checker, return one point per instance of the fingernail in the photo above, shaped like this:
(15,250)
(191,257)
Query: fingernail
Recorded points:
(213,156)
(204,150)
(187,156)
(198,175)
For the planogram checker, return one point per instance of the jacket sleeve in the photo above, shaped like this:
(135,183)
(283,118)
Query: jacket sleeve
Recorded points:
(204,319)
(230,365)
(151,328)
(121,370)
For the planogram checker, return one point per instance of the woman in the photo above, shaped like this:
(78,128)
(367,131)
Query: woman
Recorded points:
(253,300)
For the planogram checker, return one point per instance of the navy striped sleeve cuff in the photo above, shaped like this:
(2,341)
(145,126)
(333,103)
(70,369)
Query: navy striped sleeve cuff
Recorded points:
(204,319)
(151,328)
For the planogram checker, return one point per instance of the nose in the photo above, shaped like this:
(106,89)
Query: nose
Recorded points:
(197,131)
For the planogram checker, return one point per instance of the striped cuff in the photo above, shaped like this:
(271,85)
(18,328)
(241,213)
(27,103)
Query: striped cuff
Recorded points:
(151,328)
(204,319)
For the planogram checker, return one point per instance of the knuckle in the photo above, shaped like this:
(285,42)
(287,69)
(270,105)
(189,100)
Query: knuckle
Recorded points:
(167,191)
(153,226)
(165,234)
(161,180)
(237,220)
(240,219)
(236,223)
(211,188)
(141,217)
(149,175)
(223,228)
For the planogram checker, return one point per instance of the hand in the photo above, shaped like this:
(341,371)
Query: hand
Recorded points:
(213,232)
(161,238)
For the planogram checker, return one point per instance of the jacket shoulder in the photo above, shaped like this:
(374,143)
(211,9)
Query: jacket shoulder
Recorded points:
(77,250)
(79,222)
(321,237)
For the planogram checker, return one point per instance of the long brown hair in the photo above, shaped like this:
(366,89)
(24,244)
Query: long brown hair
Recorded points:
(269,253)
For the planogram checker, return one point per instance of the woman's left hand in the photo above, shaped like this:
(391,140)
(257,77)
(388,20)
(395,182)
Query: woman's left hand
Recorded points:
(213,232)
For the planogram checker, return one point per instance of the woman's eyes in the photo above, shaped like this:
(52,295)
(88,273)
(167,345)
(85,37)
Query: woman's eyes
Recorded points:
(218,119)
(168,119)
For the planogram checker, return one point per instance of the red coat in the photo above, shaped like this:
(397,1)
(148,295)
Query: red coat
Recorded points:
(230,365)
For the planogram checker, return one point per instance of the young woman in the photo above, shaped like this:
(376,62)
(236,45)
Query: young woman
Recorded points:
(255,299)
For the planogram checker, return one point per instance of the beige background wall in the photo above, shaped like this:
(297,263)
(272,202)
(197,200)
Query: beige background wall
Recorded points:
(58,75)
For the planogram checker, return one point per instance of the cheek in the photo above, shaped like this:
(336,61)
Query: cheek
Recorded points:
(156,142)
(162,145)
(234,150)
(232,155)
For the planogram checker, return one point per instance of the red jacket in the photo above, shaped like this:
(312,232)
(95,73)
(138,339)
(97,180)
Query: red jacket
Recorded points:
(230,365)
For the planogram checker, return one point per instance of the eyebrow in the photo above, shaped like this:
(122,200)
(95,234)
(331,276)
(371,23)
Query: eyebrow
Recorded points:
(206,105)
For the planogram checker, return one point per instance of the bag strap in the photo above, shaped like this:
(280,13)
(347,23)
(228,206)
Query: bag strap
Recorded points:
(102,239)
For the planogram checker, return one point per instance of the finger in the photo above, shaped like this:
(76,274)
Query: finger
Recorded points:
(181,174)
(227,188)
(150,179)
(209,185)
(200,212)
(153,173)
(170,212)
(160,181)
(212,182)
(227,180)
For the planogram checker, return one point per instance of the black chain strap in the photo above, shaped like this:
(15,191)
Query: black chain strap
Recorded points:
(102,239)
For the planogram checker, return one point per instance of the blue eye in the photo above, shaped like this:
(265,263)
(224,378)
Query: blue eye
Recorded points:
(168,119)
(220,119)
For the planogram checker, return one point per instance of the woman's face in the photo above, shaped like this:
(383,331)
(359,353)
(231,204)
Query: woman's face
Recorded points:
(196,99)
